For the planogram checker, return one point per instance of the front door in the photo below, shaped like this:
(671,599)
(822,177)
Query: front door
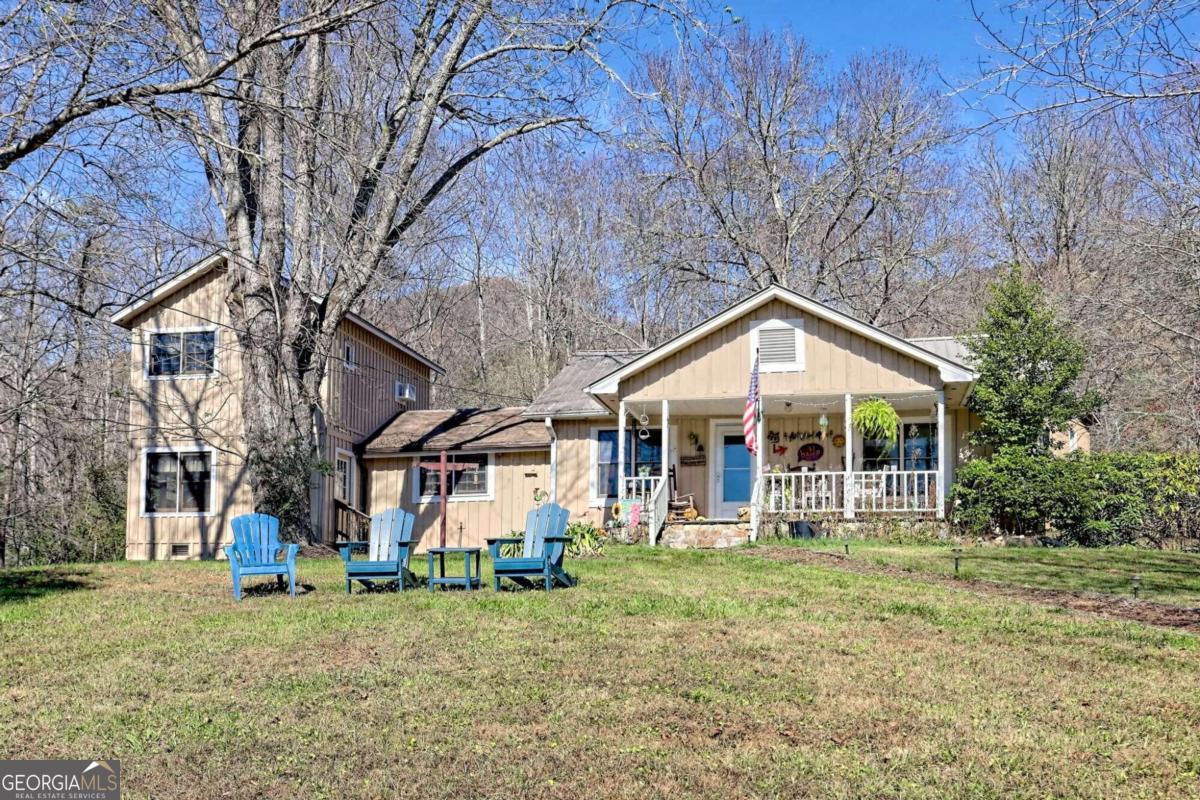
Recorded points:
(733,472)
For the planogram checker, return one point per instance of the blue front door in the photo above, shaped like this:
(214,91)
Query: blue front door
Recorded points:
(734,472)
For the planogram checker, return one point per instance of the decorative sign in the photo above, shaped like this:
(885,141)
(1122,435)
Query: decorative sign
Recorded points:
(692,461)
(780,449)
(839,440)
(811,452)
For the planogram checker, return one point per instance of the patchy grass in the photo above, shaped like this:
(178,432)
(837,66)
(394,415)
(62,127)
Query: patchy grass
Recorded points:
(665,674)
(1167,576)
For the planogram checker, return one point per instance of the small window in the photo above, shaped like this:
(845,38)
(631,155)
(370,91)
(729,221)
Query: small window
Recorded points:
(178,482)
(348,356)
(779,345)
(343,477)
(473,483)
(183,353)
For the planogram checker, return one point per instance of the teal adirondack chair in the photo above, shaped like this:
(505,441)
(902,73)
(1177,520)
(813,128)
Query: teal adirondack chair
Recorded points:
(542,549)
(255,551)
(388,547)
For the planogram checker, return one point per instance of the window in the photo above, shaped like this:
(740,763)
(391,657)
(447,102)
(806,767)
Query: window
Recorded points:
(182,353)
(779,344)
(474,483)
(643,457)
(343,477)
(916,449)
(348,356)
(178,482)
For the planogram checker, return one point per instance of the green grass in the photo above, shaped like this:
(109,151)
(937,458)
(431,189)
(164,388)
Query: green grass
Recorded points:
(665,674)
(1167,576)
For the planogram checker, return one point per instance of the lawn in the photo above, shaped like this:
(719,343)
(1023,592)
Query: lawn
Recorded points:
(665,674)
(1167,576)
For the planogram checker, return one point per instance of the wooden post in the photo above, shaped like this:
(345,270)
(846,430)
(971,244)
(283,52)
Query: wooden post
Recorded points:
(666,442)
(620,452)
(848,489)
(442,496)
(941,451)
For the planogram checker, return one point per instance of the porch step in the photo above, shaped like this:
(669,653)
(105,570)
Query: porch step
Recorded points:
(714,534)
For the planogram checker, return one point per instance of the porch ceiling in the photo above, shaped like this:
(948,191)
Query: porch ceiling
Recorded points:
(790,404)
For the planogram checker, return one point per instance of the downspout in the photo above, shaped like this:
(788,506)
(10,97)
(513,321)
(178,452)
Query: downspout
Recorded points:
(553,460)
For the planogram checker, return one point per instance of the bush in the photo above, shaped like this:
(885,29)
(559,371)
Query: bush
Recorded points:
(1090,500)
(586,540)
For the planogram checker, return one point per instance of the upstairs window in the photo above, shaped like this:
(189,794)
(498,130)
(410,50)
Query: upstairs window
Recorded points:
(175,353)
(779,344)
(178,482)
(348,356)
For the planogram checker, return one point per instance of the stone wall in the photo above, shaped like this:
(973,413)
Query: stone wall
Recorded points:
(704,536)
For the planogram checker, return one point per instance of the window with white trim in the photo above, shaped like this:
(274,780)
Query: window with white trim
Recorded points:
(182,353)
(474,483)
(343,477)
(178,482)
(348,356)
(779,344)
(643,457)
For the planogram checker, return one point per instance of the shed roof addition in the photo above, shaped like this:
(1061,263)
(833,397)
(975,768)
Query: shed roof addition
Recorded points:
(458,429)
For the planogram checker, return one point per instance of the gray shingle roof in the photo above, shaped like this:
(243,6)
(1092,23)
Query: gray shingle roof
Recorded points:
(461,429)
(564,396)
(946,347)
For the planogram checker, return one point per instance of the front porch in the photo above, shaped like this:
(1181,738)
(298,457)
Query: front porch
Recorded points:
(810,462)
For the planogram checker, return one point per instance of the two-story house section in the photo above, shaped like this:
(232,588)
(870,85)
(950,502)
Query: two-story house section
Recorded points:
(187,455)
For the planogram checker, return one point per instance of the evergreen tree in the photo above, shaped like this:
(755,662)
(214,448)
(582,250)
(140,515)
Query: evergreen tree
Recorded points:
(1028,364)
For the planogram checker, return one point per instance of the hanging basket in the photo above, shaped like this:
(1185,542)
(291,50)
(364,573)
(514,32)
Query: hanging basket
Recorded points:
(875,418)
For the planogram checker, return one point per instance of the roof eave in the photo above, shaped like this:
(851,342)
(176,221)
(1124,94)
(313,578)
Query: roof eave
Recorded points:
(164,289)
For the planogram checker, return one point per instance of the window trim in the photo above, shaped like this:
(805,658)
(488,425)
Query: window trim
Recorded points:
(198,447)
(420,499)
(148,345)
(349,356)
(341,454)
(905,419)
(594,500)
(797,327)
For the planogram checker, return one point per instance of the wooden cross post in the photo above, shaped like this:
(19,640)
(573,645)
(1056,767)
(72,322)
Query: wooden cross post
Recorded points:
(442,466)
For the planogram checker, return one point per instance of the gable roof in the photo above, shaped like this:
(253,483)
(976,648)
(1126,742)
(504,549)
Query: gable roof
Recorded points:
(458,429)
(125,316)
(950,347)
(950,370)
(566,395)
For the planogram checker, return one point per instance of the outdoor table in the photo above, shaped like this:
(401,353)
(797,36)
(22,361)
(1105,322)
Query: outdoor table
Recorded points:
(467,580)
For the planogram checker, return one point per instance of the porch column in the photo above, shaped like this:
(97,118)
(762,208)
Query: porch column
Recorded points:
(666,443)
(848,488)
(941,451)
(621,450)
(761,454)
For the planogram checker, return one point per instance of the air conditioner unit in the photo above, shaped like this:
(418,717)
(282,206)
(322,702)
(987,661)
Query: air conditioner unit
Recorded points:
(405,392)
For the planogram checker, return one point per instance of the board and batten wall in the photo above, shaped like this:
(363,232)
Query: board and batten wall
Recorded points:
(515,477)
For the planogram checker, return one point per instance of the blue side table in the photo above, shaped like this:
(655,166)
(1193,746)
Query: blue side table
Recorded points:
(468,580)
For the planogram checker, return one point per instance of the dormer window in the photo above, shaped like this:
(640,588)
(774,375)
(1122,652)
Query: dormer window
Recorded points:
(779,344)
(182,353)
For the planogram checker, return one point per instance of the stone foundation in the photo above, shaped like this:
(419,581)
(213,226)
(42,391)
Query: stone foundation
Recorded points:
(716,535)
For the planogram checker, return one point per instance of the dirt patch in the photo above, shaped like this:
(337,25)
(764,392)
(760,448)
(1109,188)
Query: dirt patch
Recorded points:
(1145,611)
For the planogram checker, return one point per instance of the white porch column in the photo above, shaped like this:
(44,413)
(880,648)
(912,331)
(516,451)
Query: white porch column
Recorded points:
(553,460)
(941,451)
(760,456)
(666,443)
(848,489)
(621,450)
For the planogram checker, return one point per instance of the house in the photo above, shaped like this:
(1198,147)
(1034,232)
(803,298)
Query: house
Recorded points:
(611,424)
(187,454)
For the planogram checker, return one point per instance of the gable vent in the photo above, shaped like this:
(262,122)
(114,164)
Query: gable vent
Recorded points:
(777,345)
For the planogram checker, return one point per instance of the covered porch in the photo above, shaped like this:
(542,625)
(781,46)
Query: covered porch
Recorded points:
(810,462)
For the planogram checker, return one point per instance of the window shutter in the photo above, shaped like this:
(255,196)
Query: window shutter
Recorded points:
(777,345)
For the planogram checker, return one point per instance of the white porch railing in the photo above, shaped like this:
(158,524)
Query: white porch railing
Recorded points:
(908,491)
(640,488)
(658,512)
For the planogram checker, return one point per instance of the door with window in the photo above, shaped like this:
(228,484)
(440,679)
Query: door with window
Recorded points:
(733,472)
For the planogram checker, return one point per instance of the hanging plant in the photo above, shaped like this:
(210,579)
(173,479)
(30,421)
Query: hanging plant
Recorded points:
(875,418)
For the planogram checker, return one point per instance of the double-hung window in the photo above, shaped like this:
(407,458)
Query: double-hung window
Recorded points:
(343,477)
(178,482)
(472,483)
(182,353)
(643,457)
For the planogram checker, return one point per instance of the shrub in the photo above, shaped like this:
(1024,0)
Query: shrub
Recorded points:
(1087,499)
(586,540)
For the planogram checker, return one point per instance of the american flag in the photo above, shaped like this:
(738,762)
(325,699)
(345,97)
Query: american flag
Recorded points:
(750,415)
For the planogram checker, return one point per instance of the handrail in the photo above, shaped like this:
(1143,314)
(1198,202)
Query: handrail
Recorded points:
(359,520)
(658,511)
(755,508)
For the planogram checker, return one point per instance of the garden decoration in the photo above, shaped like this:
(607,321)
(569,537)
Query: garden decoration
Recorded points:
(839,440)
(875,418)
(823,423)
(811,452)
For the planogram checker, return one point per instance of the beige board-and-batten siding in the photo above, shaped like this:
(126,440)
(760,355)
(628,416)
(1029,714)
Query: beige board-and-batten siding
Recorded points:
(515,476)
(836,360)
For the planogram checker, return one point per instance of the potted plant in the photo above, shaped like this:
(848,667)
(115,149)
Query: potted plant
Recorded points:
(875,418)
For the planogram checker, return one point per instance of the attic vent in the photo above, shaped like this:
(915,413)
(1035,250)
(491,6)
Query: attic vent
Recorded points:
(180,550)
(777,345)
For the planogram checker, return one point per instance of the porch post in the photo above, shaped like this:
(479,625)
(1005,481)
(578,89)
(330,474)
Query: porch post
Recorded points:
(666,443)
(760,455)
(621,450)
(941,451)
(848,489)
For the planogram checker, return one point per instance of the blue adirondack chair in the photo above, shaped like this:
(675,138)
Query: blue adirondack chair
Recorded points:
(255,551)
(542,549)
(388,547)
